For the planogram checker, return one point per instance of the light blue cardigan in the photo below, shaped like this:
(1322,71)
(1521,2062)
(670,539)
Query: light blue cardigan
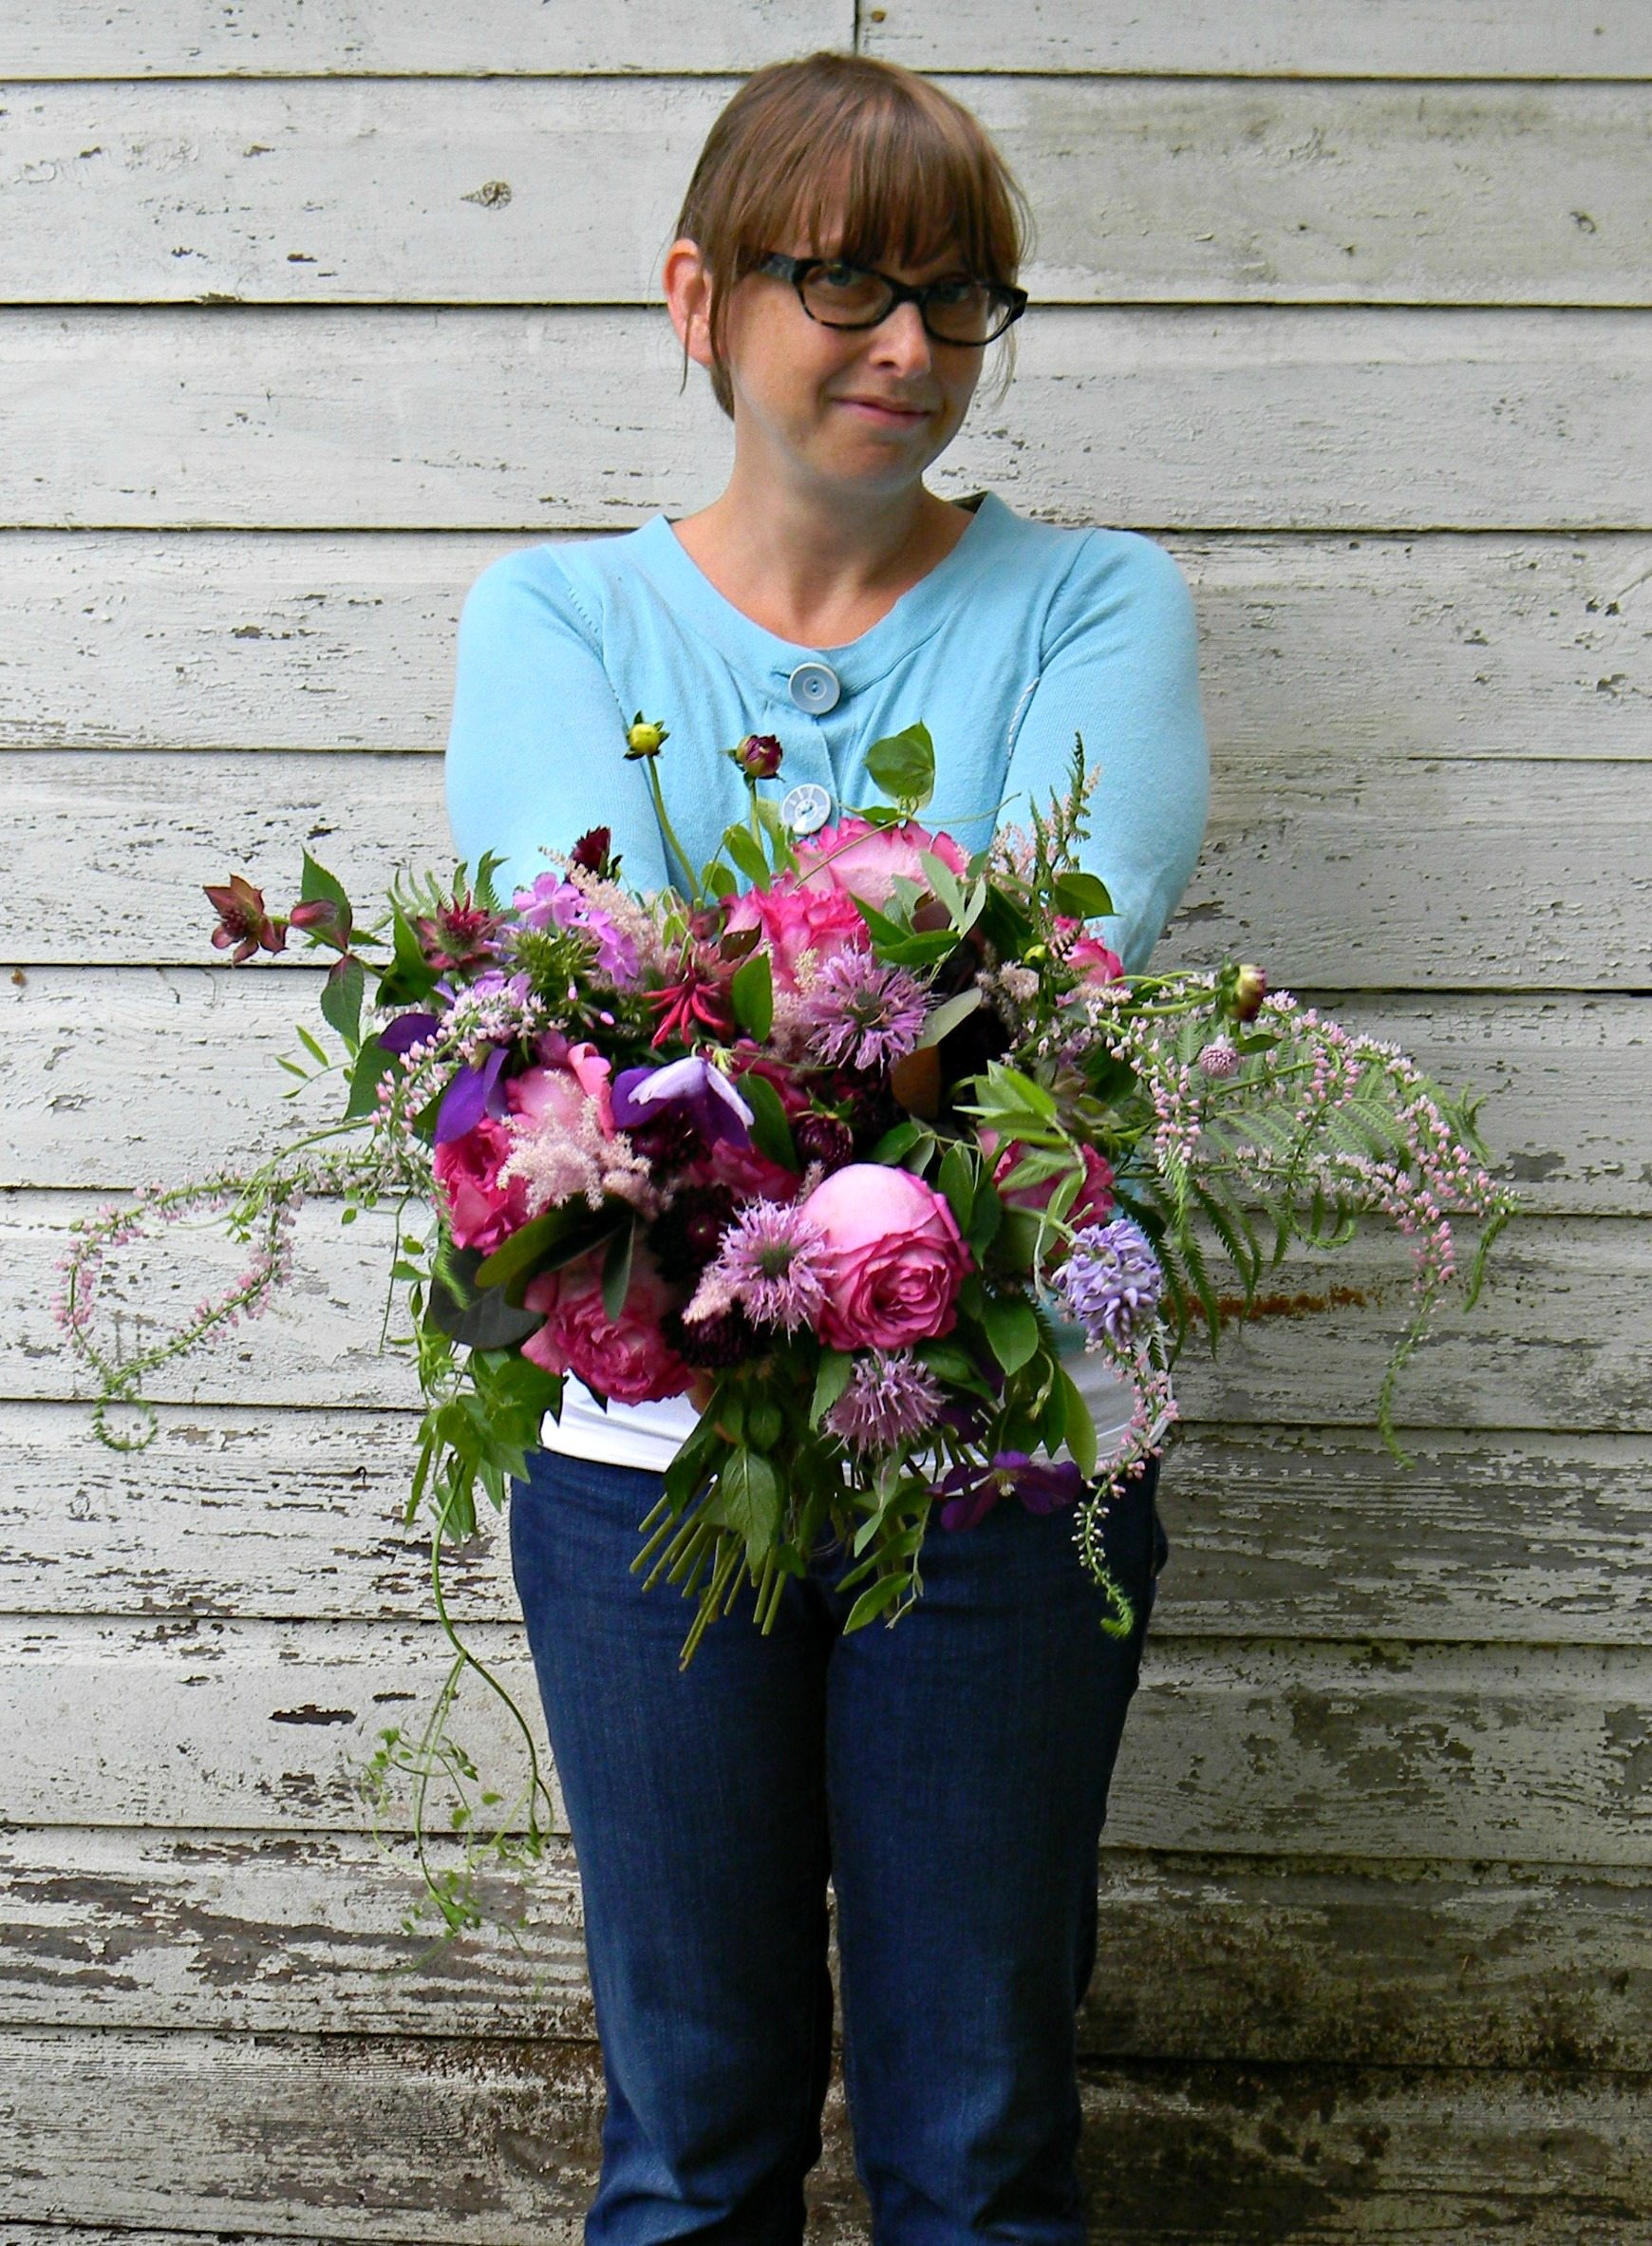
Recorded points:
(1024,633)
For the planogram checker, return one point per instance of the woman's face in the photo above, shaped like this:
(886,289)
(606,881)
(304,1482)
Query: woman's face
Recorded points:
(867,408)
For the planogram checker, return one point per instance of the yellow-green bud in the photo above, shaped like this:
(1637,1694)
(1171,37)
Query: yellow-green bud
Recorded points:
(644,737)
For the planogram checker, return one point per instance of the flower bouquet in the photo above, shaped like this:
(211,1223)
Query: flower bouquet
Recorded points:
(853,1138)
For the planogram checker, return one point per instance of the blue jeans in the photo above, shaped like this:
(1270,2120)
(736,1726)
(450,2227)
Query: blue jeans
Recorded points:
(950,1772)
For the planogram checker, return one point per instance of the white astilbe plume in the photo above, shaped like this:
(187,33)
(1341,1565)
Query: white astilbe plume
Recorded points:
(559,1162)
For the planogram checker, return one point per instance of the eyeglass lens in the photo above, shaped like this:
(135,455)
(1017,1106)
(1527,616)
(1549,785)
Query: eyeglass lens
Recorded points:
(961,311)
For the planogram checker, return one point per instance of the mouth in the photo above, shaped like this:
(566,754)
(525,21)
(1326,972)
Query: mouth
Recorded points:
(887,416)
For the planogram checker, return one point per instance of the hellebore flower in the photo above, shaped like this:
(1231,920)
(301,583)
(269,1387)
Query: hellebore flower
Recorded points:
(242,920)
(473,1093)
(1043,1486)
(457,936)
(759,755)
(703,1092)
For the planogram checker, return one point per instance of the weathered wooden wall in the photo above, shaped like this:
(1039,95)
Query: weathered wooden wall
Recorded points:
(310,313)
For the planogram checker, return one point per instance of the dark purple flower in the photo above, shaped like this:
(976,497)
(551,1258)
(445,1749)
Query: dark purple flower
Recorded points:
(473,1093)
(759,756)
(407,1029)
(1042,1486)
(692,1084)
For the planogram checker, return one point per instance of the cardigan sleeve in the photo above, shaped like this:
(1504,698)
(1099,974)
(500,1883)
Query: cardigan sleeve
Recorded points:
(1120,665)
(536,751)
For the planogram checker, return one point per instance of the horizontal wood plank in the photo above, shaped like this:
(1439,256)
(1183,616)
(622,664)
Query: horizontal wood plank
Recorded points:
(310,2136)
(1558,1340)
(113,39)
(1276,418)
(1200,1957)
(1426,39)
(1566,1082)
(1376,648)
(1277,1534)
(1511,1755)
(1165,192)
(1338,876)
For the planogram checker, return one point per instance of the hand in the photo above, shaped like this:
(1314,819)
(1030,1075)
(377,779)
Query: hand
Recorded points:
(700,1387)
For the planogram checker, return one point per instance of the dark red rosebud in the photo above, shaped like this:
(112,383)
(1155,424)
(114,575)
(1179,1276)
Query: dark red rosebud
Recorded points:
(823,1139)
(591,849)
(242,920)
(759,756)
(320,918)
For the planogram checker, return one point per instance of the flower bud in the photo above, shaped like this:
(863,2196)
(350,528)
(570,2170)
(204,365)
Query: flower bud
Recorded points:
(1250,990)
(590,853)
(644,737)
(758,756)
(1220,1058)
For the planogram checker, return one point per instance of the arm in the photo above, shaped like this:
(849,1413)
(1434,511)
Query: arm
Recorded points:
(1120,665)
(535,754)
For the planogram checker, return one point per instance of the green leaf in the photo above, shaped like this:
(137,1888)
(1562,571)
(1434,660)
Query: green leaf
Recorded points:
(903,765)
(952,1362)
(545,1241)
(771,1132)
(948,1015)
(944,885)
(371,1065)
(408,979)
(616,1270)
(956,1179)
(748,1501)
(1081,1427)
(740,844)
(317,884)
(312,1047)
(763,1424)
(341,998)
(717,879)
(1081,896)
(830,1382)
(752,990)
(1012,1332)
(896,1142)
(874,1599)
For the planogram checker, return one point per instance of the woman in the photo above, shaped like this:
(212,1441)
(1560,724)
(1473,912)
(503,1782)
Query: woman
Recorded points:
(848,247)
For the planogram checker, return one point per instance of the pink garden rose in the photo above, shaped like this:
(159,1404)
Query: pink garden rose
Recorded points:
(793,918)
(895,1259)
(627,1358)
(1087,955)
(864,860)
(573,1074)
(481,1211)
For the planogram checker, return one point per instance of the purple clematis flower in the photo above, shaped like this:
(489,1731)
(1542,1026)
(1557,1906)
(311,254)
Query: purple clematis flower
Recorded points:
(407,1029)
(473,1093)
(1043,1486)
(711,1102)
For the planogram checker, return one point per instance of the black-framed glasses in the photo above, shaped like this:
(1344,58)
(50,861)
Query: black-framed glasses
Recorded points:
(956,310)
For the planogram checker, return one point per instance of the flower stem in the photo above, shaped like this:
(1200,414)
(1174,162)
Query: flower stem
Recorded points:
(691,889)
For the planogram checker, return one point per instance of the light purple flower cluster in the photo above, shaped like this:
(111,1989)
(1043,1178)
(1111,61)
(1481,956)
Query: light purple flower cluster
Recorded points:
(555,902)
(1111,1280)
(863,1014)
(889,1398)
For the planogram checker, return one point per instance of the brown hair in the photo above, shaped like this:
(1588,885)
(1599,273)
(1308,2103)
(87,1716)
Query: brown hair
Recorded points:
(912,171)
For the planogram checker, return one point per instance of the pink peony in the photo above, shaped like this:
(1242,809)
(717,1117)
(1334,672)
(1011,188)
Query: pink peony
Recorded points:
(894,1258)
(627,1358)
(1094,1202)
(574,1075)
(1087,955)
(817,917)
(864,860)
(481,1211)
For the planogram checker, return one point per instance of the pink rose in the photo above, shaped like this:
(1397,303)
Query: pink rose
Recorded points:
(481,1211)
(894,1260)
(576,1074)
(627,1358)
(1094,1202)
(817,917)
(1087,955)
(864,860)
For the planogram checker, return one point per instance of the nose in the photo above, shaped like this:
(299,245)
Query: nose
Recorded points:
(901,339)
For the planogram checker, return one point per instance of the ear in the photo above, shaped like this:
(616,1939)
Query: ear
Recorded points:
(688,287)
